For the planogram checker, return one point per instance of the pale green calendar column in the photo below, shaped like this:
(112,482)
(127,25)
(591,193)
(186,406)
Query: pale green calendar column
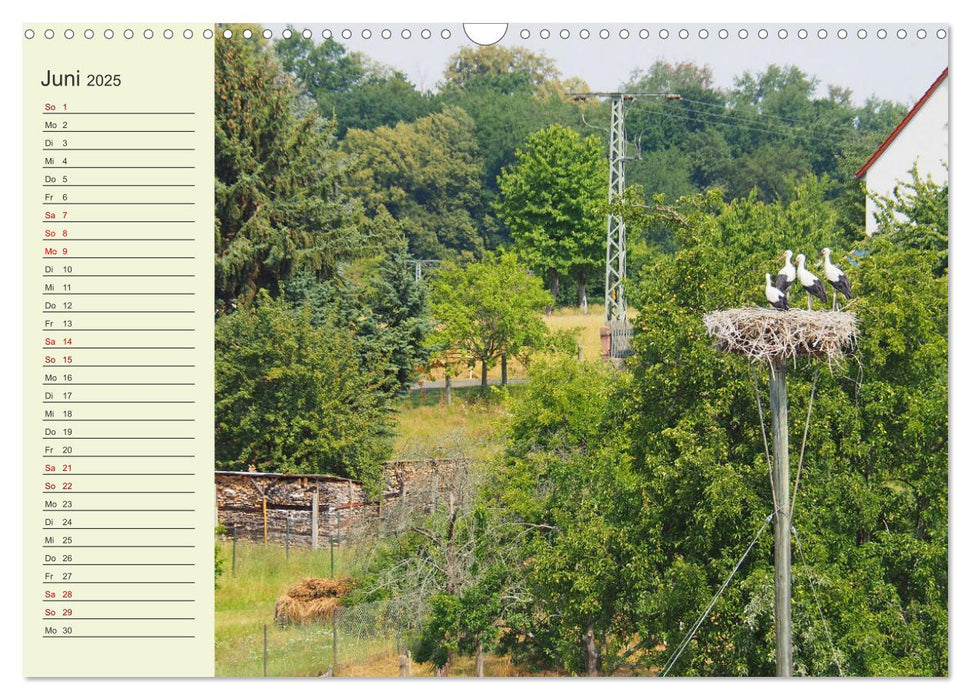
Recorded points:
(118,362)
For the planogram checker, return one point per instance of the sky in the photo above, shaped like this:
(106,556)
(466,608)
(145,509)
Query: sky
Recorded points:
(894,68)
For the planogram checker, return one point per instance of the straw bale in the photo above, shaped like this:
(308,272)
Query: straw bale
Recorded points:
(313,588)
(294,611)
(311,600)
(769,334)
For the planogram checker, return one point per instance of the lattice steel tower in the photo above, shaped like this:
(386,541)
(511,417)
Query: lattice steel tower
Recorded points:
(615,303)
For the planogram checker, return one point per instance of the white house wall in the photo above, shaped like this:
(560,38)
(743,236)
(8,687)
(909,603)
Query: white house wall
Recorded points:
(924,139)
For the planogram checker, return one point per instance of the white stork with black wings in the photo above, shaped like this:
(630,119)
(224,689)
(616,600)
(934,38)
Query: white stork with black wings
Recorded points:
(787,275)
(809,281)
(836,277)
(777,298)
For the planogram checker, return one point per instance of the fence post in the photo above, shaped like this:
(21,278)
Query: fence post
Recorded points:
(288,537)
(235,537)
(265,524)
(315,518)
(332,556)
(264,650)
(333,626)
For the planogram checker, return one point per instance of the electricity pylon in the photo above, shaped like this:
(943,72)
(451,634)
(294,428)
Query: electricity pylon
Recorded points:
(615,303)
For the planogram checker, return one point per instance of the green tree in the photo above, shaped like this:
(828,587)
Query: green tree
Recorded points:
(426,176)
(551,199)
(384,307)
(292,396)
(358,92)
(499,69)
(916,216)
(567,488)
(280,207)
(488,309)
(871,507)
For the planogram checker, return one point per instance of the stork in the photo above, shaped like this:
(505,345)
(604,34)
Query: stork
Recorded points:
(836,277)
(814,288)
(777,298)
(787,275)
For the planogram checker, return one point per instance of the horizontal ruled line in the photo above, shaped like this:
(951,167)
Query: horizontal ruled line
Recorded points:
(119,167)
(78,401)
(101,583)
(119,528)
(73,564)
(68,384)
(119,636)
(72,491)
(73,474)
(118,149)
(72,240)
(69,274)
(53,113)
(72,365)
(119,546)
(121,221)
(121,311)
(119,510)
(125,456)
(119,294)
(118,131)
(73,617)
(119,420)
(121,347)
(119,257)
(119,204)
(106,184)
(120,600)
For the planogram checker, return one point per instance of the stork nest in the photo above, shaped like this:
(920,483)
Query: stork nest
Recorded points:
(768,334)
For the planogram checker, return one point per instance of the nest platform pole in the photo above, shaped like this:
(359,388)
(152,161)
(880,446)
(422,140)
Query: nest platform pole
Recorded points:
(778,404)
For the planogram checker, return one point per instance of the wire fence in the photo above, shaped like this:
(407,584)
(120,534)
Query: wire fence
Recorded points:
(361,640)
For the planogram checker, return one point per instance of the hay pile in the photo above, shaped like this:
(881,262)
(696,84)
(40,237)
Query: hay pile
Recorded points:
(311,600)
(768,334)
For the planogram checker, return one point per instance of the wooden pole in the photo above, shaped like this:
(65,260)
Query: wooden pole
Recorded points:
(315,518)
(264,650)
(265,524)
(778,403)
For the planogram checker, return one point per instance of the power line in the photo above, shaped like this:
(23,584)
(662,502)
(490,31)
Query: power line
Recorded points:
(701,618)
(819,607)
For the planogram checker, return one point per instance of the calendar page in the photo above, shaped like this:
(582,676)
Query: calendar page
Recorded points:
(546,349)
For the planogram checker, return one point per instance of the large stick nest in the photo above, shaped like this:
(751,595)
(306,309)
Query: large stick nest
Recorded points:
(768,334)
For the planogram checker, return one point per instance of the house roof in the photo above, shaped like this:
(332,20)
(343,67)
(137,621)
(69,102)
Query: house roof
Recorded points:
(900,127)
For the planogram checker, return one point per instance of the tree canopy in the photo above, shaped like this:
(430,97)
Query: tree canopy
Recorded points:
(551,199)
(425,174)
(279,205)
(488,309)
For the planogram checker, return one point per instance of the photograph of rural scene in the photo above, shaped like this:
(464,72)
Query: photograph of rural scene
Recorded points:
(524,372)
